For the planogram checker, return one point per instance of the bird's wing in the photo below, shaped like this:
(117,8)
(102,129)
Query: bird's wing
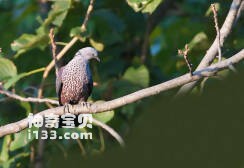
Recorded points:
(90,87)
(59,84)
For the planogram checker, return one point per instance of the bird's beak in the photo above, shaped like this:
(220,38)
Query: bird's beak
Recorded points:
(97,59)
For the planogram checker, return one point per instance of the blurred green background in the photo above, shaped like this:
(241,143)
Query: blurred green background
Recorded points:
(137,42)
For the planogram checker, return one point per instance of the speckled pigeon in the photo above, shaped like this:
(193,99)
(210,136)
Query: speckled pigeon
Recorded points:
(74,81)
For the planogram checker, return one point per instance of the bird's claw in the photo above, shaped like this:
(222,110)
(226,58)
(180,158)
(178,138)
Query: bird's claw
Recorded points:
(67,106)
(86,104)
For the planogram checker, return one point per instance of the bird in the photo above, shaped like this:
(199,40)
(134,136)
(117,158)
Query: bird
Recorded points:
(74,81)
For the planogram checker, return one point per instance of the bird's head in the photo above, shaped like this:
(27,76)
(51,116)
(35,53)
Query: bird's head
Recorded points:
(88,53)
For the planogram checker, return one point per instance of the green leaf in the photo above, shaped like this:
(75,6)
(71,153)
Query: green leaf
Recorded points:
(224,73)
(104,116)
(58,12)
(26,106)
(127,86)
(4,151)
(1,53)
(198,38)
(111,20)
(151,6)
(138,76)
(209,11)
(27,42)
(16,78)
(97,45)
(23,41)
(145,6)
(21,139)
(16,160)
(129,110)
(7,69)
(40,40)
(76,31)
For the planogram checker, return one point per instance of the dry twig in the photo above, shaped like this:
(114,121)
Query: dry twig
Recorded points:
(28,99)
(225,30)
(185,55)
(217,29)
(51,36)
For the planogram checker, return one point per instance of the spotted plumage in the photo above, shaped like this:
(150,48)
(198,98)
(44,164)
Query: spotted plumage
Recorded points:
(74,81)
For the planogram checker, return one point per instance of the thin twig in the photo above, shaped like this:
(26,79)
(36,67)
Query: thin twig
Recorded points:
(225,30)
(59,56)
(28,99)
(61,43)
(240,11)
(72,42)
(51,64)
(185,55)
(102,148)
(65,49)
(217,29)
(110,130)
(81,146)
(53,45)
(88,13)
(133,97)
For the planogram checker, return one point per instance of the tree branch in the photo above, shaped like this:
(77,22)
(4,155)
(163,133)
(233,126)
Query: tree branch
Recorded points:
(110,130)
(28,99)
(185,55)
(240,11)
(110,105)
(213,50)
(53,46)
(217,29)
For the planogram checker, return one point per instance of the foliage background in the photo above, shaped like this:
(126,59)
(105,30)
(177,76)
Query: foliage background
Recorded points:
(117,29)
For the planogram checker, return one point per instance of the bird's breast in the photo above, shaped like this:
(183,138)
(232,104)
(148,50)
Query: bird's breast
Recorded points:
(75,76)
(75,79)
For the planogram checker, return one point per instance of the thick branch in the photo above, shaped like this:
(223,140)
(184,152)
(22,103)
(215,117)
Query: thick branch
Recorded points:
(213,50)
(110,105)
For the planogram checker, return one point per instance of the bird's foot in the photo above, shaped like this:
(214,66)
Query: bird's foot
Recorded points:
(67,108)
(85,104)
